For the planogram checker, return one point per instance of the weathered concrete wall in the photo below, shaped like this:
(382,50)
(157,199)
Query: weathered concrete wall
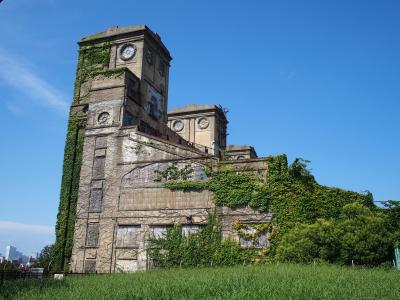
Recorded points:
(118,188)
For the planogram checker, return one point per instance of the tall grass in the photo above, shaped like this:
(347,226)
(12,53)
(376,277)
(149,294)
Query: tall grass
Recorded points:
(248,282)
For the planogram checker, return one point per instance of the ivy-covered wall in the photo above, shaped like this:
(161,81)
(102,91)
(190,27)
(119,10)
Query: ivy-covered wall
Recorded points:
(92,60)
(290,192)
(296,197)
(69,194)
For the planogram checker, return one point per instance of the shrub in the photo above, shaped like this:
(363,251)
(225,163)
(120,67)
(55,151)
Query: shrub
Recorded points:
(363,235)
(204,248)
(228,253)
(359,235)
(305,243)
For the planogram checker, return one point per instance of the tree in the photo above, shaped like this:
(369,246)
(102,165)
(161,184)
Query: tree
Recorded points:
(299,170)
(392,213)
(44,258)
(7,266)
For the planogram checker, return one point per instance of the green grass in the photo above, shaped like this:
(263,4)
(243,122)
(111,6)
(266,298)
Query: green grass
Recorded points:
(250,282)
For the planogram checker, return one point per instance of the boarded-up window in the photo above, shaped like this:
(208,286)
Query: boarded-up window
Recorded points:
(159,231)
(101,142)
(190,229)
(92,235)
(128,236)
(96,197)
(90,265)
(250,238)
(98,168)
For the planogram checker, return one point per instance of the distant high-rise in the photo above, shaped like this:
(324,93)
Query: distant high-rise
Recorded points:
(11,252)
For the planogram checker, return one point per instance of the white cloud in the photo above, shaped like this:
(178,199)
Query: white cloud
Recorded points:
(18,74)
(26,228)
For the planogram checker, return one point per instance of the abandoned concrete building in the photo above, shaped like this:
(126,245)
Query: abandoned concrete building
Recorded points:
(128,134)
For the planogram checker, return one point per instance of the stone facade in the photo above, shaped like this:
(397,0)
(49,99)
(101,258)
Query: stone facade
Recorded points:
(129,136)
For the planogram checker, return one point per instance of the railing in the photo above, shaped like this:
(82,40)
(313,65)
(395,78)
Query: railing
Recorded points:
(19,274)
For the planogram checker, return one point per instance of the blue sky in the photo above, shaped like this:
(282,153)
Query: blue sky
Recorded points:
(312,79)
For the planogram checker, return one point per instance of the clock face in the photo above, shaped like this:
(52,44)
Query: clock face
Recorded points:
(177,125)
(103,118)
(127,51)
(149,56)
(203,123)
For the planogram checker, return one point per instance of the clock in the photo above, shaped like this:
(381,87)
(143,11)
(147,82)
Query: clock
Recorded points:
(203,123)
(177,125)
(103,118)
(127,51)
(149,56)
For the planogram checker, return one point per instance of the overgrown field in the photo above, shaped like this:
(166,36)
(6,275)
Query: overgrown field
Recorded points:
(247,282)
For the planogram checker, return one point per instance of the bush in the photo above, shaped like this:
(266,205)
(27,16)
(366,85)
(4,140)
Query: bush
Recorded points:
(363,236)
(305,243)
(7,266)
(204,248)
(359,235)
(228,253)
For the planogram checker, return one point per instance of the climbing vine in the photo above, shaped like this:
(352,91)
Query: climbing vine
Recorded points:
(229,188)
(204,248)
(93,60)
(69,194)
(297,198)
(290,192)
(174,173)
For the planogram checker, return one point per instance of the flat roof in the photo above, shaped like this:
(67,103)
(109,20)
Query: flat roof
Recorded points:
(123,30)
(239,147)
(194,108)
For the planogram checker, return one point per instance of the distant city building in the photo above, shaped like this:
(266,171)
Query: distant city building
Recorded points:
(12,254)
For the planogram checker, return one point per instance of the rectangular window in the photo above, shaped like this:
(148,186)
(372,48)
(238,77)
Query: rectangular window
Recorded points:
(98,168)
(101,142)
(90,265)
(96,198)
(250,238)
(92,235)
(128,236)
(129,119)
(188,229)
(159,231)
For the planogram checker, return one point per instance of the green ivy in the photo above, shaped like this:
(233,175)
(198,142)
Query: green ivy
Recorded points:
(174,173)
(69,194)
(300,199)
(91,60)
(229,188)
(204,248)
(291,192)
